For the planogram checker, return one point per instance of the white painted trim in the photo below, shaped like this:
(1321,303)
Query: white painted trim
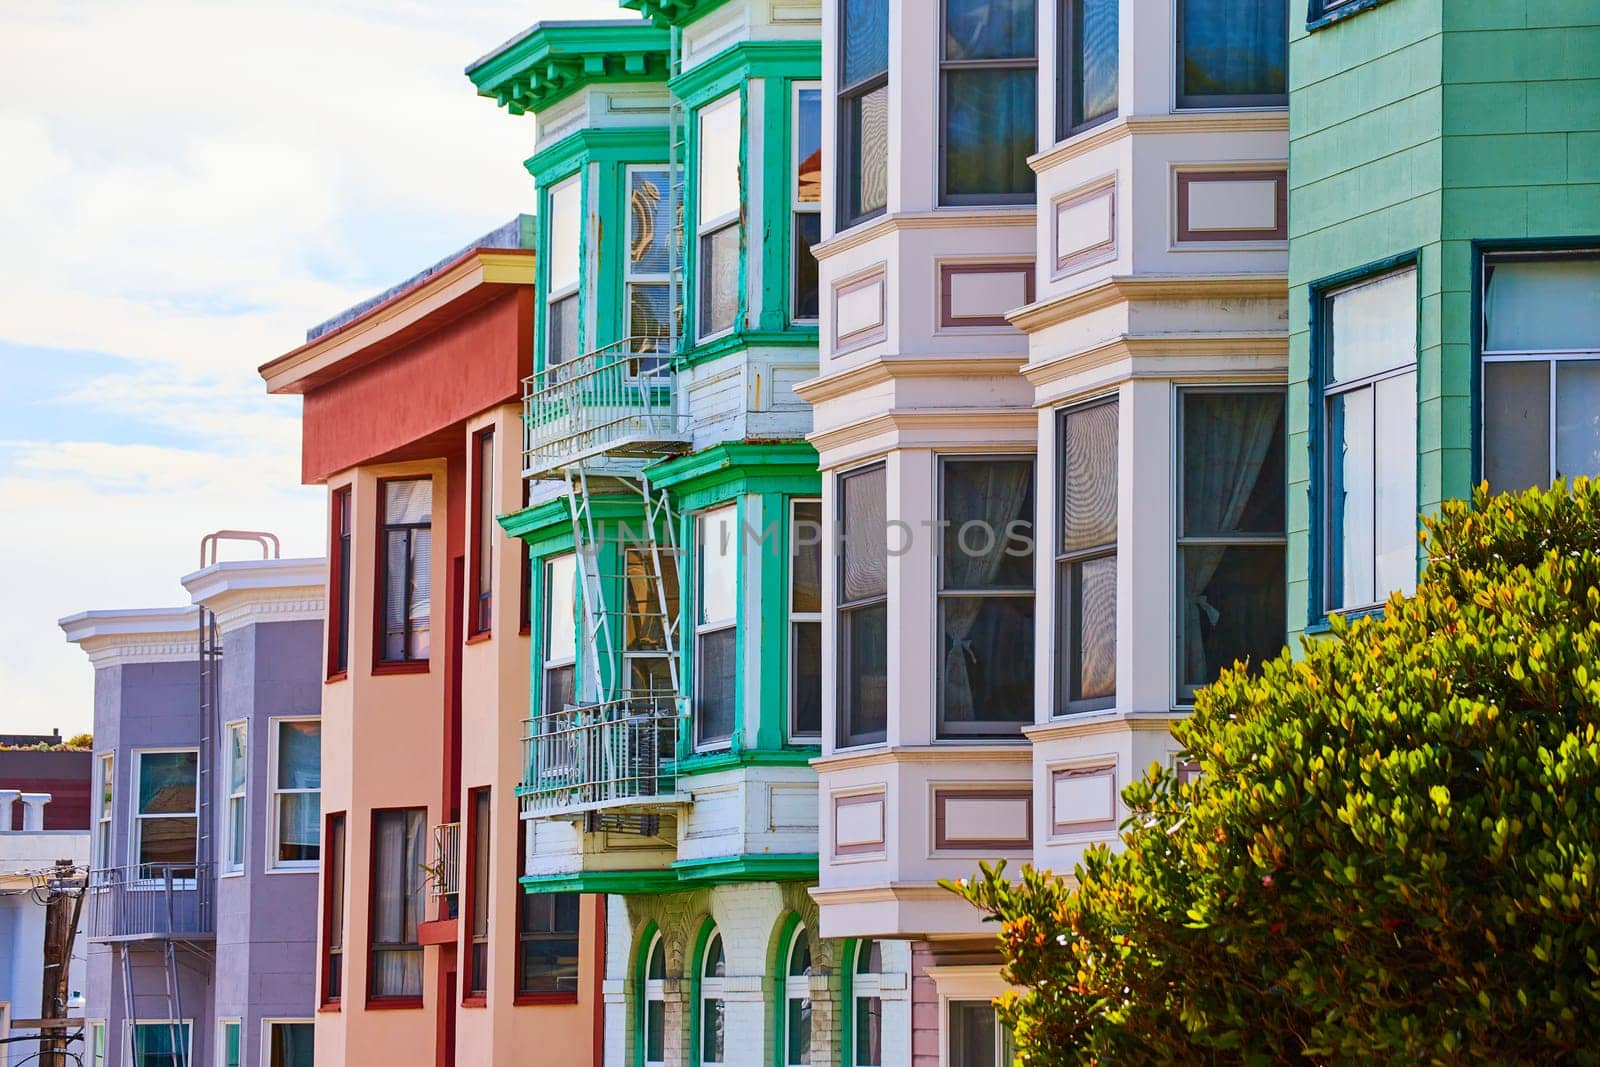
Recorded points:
(273,864)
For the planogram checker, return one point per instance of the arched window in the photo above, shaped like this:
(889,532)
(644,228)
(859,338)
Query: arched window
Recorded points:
(713,1010)
(655,1004)
(797,1002)
(868,1015)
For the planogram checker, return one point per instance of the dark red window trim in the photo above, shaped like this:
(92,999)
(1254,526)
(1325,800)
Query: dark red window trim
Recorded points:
(333,856)
(339,548)
(379,664)
(374,1002)
(480,603)
(471,891)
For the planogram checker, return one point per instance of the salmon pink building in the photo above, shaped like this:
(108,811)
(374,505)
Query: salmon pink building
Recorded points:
(428,949)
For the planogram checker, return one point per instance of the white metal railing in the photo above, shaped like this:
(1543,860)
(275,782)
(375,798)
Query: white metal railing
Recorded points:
(618,395)
(150,900)
(445,873)
(601,755)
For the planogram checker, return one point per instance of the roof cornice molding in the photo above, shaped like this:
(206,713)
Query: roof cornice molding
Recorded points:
(885,369)
(672,12)
(140,635)
(1131,288)
(1271,120)
(244,592)
(553,60)
(941,219)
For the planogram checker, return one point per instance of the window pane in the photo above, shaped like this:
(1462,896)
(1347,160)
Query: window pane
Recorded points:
(420,571)
(869,1032)
(1578,418)
(989,508)
(1375,327)
(990,124)
(718,537)
(719,279)
(988,29)
(291,1045)
(565,225)
(645,630)
(167,782)
(160,1044)
(563,325)
(1233,48)
(299,755)
(656,968)
(561,637)
(869,152)
(649,317)
(549,943)
(1233,473)
(714,684)
(974,1034)
(1350,432)
(719,159)
(986,665)
(864,522)
(808,146)
(1395,496)
(713,1024)
(1542,305)
(1233,608)
(236,758)
(299,827)
(864,672)
(230,1044)
(1094,629)
(1516,425)
(1094,59)
(865,33)
(236,832)
(807,232)
(805,551)
(560,688)
(170,840)
(1089,477)
(807,669)
(798,1032)
(649,223)
(655,1031)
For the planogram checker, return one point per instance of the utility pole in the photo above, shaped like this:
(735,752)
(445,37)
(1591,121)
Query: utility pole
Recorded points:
(63,903)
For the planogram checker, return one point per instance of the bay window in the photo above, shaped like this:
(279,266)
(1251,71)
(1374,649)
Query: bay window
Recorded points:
(1369,429)
(987,82)
(1233,53)
(237,813)
(806,201)
(805,621)
(716,625)
(1089,66)
(1541,368)
(406,569)
(649,264)
(296,812)
(564,223)
(399,849)
(986,596)
(863,607)
(1086,558)
(1231,531)
(863,133)
(166,819)
(717,217)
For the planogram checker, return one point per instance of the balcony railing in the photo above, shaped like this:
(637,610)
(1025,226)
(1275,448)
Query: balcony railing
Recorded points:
(621,398)
(150,901)
(619,754)
(445,874)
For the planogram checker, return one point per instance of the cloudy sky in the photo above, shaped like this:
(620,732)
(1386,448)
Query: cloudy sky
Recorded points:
(187,185)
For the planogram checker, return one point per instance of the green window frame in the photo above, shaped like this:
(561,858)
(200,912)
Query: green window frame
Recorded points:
(804,185)
(718,216)
(796,1015)
(561,333)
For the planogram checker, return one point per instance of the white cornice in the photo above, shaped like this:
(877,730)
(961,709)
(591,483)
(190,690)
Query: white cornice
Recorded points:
(243,592)
(943,219)
(1192,122)
(853,380)
(139,635)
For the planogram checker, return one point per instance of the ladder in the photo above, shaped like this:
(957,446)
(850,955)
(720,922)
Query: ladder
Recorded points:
(174,1002)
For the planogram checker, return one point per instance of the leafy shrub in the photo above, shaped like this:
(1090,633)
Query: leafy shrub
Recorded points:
(1391,855)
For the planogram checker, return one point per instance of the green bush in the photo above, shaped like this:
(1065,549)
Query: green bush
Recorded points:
(1391,855)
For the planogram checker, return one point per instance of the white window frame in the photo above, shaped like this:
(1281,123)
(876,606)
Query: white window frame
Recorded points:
(96,1051)
(796,207)
(556,295)
(630,277)
(655,992)
(795,987)
(706,227)
(548,664)
(275,865)
(220,1052)
(105,803)
(128,1026)
(868,985)
(135,819)
(230,847)
(711,989)
(714,626)
(796,617)
(965,984)
(266,1034)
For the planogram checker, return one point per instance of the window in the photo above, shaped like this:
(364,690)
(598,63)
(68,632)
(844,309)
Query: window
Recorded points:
(1541,369)
(1231,533)
(289,1044)
(1086,558)
(565,221)
(97,1043)
(649,667)
(296,811)
(560,634)
(713,1008)
(977,1037)
(230,1039)
(235,818)
(987,77)
(985,597)
(1329,9)
(1233,53)
(339,584)
(806,200)
(547,945)
(717,221)
(524,576)
(863,664)
(655,1004)
(716,631)
(398,852)
(483,509)
(166,823)
(867,1020)
(797,1003)
(161,1043)
(649,288)
(863,110)
(805,620)
(479,816)
(1369,413)
(407,569)
(105,804)
(1088,79)
(333,911)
